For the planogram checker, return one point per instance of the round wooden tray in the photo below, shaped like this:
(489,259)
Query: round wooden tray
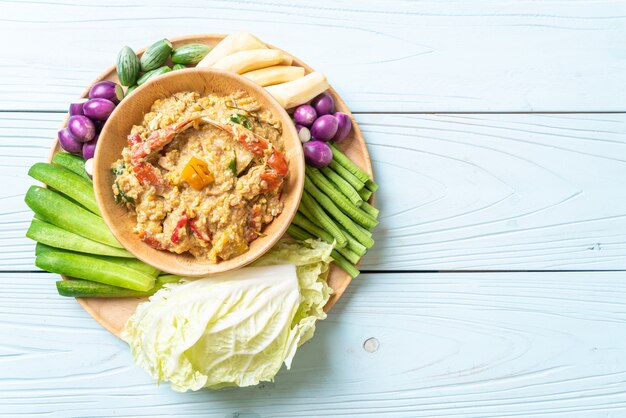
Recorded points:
(112,313)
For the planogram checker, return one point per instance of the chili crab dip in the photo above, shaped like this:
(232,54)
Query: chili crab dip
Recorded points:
(202,174)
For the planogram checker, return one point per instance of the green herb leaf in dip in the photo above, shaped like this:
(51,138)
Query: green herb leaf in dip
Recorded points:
(241,120)
(121,196)
(233,165)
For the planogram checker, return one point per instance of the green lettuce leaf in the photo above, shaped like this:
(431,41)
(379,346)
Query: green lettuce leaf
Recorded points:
(235,329)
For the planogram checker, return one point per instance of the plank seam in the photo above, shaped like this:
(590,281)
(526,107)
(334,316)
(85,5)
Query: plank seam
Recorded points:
(488,271)
(426,112)
(410,271)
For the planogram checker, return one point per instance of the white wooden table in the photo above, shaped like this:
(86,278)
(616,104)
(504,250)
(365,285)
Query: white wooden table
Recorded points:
(497,286)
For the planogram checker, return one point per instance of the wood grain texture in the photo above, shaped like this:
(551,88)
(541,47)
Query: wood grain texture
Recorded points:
(463,191)
(454,345)
(478,55)
(459,192)
(499,191)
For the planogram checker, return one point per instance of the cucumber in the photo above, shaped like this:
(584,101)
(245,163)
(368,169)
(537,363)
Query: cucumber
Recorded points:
(88,267)
(43,248)
(78,288)
(128,66)
(156,55)
(130,90)
(168,278)
(51,235)
(154,73)
(139,266)
(61,212)
(190,54)
(72,162)
(178,67)
(66,182)
(132,263)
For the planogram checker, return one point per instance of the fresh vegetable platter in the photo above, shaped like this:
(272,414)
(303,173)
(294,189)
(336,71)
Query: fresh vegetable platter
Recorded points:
(112,313)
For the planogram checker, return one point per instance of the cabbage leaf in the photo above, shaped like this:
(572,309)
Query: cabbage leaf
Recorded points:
(237,328)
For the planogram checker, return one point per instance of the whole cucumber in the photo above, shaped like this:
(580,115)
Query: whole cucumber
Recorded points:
(128,66)
(156,55)
(67,182)
(178,67)
(190,54)
(79,288)
(64,213)
(45,233)
(154,73)
(130,90)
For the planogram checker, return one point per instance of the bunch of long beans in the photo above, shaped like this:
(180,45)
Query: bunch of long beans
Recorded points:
(334,208)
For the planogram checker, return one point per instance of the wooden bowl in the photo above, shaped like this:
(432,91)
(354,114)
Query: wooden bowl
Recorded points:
(131,112)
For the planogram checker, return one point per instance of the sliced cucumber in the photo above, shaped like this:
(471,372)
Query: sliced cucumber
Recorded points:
(72,162)
(46,233)
(66,182)
(132,263)
(61,212)
(93,268)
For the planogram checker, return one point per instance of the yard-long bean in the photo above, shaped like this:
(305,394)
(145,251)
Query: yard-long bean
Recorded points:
(322,219)
(356,214)
(343,186)
(347,163)
(346,175)
(324,201)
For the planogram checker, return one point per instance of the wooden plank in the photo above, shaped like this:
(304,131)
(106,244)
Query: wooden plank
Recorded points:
(381,56)
(24,140)
(499,191)
(454,345)
(462,192)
